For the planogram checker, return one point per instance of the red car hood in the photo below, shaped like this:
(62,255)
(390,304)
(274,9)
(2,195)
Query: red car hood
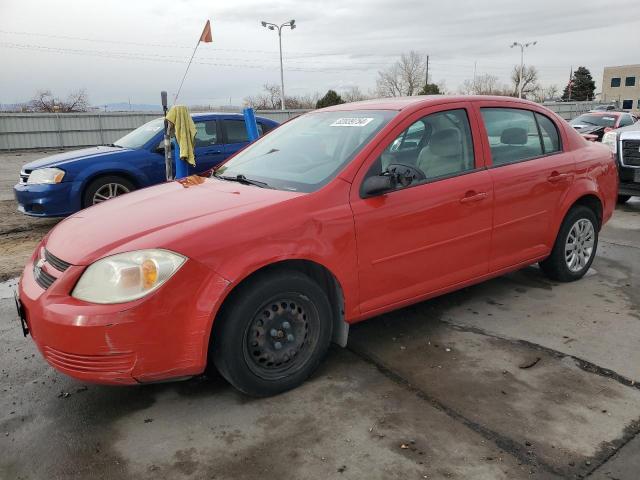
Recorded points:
(154,217)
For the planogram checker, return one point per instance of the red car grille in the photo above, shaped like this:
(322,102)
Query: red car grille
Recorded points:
(113,363)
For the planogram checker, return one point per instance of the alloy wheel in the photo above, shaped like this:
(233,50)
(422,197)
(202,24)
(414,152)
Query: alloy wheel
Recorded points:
(578,247)
(107,191)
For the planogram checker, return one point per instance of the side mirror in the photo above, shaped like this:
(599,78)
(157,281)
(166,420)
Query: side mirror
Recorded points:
(160,147)
(378,184)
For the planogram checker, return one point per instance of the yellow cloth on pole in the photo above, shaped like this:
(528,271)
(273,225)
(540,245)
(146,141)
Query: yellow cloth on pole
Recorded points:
(185,131)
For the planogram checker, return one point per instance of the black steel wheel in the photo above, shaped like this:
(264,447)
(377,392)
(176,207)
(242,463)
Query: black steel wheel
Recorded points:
(272,334)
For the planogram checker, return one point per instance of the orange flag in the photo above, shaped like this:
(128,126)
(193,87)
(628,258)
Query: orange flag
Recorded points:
(206,36)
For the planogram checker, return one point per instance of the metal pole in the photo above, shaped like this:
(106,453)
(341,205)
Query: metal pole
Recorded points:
(281,69)
(168,162)
(521,70)
(426,78)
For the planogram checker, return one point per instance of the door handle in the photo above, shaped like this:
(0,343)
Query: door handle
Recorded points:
(557,177)
(213,151)
(473,197)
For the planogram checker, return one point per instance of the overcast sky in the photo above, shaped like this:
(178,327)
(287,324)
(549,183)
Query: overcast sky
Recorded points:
(130,50)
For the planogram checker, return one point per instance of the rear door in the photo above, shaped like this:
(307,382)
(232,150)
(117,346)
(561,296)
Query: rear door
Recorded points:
(436,232)
(236,137)
(531,174)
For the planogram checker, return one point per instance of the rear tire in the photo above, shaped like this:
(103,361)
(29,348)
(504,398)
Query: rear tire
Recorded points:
(105,187)
(623,198)
(575,246)
(273,334)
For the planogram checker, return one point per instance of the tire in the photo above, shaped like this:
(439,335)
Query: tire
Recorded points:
(623,198)
(581,224)
(105,187)
(273,334)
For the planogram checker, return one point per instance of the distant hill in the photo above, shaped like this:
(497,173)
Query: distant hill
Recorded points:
(126,107)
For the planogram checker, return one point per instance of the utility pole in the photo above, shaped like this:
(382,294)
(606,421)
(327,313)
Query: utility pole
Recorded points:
(426,79)
(272,26)
(475,65)
(522,47)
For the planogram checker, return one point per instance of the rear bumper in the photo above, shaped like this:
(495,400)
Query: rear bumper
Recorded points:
(57,200)
(162,336)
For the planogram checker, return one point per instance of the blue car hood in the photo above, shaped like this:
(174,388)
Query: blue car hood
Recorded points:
(63,158)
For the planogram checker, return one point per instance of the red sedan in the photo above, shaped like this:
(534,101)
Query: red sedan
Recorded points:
(337,216)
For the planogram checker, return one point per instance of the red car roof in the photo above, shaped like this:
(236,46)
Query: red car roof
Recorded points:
(401,103)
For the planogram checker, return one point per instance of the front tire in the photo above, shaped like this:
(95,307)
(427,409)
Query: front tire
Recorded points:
(273,334)
(623,198)
(105,187)
(575,246)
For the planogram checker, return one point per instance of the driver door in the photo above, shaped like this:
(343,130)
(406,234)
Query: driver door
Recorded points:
(417,240)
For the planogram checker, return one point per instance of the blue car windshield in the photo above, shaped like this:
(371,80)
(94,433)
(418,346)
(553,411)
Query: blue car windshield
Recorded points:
(141,135)
(306,153)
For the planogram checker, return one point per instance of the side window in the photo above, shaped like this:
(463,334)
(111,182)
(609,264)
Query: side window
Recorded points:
(615,82)
(513,135)
(626,120)
(439,144)
(549,132)
(206,134)
(237,131)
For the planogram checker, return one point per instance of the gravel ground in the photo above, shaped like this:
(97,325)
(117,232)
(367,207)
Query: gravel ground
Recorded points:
(515,378)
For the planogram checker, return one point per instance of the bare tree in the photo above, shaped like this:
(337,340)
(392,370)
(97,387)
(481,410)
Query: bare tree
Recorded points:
(353,94)
(406,77)
(269,99)
(45,101)
(529,80)
(484,84)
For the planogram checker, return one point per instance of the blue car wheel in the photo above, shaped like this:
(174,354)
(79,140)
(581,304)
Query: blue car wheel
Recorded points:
(104,188)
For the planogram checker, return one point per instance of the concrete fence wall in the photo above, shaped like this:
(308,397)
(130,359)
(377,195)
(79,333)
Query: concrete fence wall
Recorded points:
(570,110)
(20,131)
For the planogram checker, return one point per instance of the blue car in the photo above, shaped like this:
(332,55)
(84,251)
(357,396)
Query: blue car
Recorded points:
(62,184)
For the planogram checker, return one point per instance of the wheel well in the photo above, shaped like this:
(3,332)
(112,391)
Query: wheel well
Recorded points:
(321,275)
(592,202)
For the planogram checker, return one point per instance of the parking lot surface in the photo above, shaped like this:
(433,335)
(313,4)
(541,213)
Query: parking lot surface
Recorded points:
(515,378)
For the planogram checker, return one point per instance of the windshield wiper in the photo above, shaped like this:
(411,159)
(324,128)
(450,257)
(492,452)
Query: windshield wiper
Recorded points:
(114,145)
(244,180)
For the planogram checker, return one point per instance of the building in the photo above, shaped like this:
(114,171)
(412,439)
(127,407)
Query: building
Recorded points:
(621,85)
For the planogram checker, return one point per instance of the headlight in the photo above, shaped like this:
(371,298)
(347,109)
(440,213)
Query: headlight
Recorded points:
(611,140)
(46,175)
(126,276)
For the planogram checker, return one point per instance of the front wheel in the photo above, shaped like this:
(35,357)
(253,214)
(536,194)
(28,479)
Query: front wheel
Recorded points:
(575,246)
(104,188)
(273,334)
(623,198)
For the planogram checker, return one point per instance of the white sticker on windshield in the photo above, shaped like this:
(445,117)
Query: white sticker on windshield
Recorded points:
(351,122)
(609,118)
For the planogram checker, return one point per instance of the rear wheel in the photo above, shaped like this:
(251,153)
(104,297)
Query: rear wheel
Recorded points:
(104,188)
(273,334)
(623,198)
(575,246)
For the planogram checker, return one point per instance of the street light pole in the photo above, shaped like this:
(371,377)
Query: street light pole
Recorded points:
(522,47)
(272,26)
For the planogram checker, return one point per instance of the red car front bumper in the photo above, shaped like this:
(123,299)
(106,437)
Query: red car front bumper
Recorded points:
(161,336)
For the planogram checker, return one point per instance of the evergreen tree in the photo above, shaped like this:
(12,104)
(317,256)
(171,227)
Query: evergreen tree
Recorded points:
(330,98)
(582,86)
(430,89)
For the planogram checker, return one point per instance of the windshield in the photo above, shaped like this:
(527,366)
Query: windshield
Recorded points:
(141,135)
(599,120)
(307,152)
